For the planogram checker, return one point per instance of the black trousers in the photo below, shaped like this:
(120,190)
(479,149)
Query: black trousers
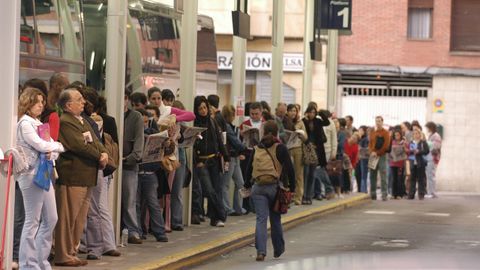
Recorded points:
(398,185)
(418,176)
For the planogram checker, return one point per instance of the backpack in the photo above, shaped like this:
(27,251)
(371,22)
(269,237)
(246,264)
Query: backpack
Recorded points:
(266,168)
(113,154)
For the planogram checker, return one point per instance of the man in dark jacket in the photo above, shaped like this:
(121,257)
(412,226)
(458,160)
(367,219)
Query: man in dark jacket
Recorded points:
(77,169)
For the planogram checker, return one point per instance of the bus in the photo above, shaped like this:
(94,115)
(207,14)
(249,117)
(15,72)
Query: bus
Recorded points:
(51,40)
(153,47)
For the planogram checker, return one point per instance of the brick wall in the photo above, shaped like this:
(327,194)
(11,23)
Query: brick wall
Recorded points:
(380,37)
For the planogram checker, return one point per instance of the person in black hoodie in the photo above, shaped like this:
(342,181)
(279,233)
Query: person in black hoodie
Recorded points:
(208,154)
(314,125)
(265,178)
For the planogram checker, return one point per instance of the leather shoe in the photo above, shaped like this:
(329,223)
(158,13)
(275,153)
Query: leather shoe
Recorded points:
(134,240)
(277,254)
(202,218)
(113,253)
(74,263)
(177,228)
(260,257)
(162,238)
(92,257)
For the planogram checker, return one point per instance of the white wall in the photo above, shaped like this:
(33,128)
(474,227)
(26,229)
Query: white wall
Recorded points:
(459,168)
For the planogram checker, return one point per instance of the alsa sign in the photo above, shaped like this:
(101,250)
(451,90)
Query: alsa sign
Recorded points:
(335,14)
(292,62)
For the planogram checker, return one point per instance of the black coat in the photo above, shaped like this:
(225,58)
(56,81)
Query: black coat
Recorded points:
(317,137)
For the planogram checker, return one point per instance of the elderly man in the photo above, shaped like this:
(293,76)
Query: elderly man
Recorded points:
(77,170)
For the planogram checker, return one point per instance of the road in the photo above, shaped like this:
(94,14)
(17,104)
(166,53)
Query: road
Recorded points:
(439,233)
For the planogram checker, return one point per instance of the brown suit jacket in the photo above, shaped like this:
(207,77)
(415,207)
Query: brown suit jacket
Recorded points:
(78,165)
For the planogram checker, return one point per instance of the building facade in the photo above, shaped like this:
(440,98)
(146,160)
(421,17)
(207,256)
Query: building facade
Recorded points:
(418,60)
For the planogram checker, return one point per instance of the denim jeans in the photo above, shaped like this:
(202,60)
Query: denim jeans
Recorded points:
(129,198)
(322,176)
(263,197)
(100,234)
(234,173)
(382,169)
(176,196)
(364,172)
(309,182)
(40,221)
(19,219)
(209,176)
(147,190)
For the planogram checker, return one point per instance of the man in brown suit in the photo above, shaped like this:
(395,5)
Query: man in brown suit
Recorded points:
(77,169)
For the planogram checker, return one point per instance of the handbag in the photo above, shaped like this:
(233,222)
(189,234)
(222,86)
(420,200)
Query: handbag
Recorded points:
(334,167)
(44,174)
(282,201)
(310,157)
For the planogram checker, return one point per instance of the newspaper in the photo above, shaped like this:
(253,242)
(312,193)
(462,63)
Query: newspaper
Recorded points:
(398,153)
(153,150)
(190,135)
(251,136)
(373,162)
(292,138)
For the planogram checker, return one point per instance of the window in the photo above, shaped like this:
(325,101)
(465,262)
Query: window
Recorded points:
(420,13)
(465,34)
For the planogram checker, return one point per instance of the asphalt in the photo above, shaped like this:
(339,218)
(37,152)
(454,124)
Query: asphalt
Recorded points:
(439,233)
(199,243)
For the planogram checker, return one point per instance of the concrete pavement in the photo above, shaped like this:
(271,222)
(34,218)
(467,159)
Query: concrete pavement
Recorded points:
(198,243)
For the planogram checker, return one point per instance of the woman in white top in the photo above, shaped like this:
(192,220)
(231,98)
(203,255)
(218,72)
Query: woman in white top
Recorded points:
(40,207)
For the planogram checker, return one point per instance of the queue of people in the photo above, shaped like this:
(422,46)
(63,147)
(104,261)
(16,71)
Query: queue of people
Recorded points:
(314,157)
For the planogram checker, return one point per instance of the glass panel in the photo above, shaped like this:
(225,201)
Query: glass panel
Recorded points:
(27,29)
(71,29)
(48,29)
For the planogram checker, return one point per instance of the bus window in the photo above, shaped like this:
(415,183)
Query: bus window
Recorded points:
(46,18)
(27,27)
(71,29)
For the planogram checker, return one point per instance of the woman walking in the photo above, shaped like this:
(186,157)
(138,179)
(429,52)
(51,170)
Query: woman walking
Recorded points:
(40,207)
(270,161)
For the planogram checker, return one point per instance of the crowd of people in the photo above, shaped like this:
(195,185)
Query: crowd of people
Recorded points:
(313,153)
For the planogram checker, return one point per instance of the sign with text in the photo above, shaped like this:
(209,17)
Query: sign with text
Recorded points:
(292,62)
(335,14)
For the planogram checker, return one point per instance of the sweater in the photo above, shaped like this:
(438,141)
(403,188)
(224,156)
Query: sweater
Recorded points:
(352,152)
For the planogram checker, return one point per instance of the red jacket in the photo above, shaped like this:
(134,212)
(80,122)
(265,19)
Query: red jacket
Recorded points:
(352,152)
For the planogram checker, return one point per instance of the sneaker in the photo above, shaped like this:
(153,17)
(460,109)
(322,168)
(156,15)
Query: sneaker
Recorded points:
(220,224)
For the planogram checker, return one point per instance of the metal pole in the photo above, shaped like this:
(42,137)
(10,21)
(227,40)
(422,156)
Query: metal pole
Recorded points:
(115,87)
(238,70)
(307,62)
(10,32)
(332,64)
(188,69)
(278,34)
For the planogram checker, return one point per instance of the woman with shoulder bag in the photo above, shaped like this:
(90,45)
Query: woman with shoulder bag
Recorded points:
(40,206)
(268,163)
(207,153)
(416,151)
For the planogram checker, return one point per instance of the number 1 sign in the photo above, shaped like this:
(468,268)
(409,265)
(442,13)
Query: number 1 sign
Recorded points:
(334,14)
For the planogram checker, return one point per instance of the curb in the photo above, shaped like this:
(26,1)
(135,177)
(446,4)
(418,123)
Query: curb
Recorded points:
(197,255)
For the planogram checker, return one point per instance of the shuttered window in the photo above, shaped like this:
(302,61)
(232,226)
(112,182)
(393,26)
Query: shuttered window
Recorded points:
(420,13)
(465,34)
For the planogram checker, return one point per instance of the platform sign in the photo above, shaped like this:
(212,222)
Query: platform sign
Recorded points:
(336,14)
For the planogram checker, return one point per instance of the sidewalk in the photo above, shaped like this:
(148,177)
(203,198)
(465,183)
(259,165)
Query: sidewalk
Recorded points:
(198,243)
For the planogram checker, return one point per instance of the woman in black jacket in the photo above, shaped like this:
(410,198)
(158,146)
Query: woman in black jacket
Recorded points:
(314,124)
(208,154)
(416,150)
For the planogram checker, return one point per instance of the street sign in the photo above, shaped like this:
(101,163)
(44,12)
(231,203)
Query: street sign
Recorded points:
(336,14)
